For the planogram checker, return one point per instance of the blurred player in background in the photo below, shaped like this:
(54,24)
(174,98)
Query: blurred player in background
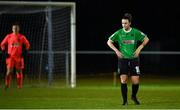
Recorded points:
(128,54)
(12,45)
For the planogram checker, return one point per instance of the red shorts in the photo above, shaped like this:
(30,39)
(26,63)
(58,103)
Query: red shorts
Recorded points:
(17,62)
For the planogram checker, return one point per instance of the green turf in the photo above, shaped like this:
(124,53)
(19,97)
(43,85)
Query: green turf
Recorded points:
(95,93)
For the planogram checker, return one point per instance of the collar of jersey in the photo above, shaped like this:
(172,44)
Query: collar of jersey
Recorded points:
(127,31)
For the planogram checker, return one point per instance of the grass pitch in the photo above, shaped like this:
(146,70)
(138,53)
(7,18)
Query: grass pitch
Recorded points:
(94,93)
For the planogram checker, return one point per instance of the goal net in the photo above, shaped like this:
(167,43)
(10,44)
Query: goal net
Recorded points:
(50,29)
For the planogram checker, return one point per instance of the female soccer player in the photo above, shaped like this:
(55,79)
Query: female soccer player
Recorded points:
(128,54)
(14,42)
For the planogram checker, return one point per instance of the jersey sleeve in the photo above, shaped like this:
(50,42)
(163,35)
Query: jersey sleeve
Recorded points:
(114,37)
(140,36)
(4,42)
(26,43)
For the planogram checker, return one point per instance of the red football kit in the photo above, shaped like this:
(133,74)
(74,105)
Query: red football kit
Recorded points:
(14,43)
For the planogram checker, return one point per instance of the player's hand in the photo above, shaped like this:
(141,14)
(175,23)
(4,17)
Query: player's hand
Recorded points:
(119,54)
(3,48)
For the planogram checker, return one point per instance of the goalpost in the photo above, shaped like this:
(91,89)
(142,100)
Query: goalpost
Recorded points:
(51,29)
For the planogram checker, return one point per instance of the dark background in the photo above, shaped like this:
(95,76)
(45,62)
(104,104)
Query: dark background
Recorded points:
(97,19)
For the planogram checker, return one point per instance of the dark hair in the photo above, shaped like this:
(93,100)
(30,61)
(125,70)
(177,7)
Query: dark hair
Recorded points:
(127,16)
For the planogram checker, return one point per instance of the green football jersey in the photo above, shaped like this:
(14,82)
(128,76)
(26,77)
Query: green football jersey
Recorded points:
(127,41)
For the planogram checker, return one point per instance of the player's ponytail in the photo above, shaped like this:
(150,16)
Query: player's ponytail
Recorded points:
(127,16)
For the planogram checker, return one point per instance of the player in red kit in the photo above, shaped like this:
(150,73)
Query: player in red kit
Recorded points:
(14,42)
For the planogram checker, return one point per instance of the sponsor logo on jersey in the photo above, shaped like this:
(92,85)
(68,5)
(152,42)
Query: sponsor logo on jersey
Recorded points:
(128,41)
(15,45)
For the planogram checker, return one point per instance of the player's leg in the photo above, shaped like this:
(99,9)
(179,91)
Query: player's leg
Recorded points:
(135,88)
(124,88)
(19,76)
(8,77)
(19,71)
(123,65)
(135,76)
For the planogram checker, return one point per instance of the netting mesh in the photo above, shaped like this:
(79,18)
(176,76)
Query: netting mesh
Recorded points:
(34,24)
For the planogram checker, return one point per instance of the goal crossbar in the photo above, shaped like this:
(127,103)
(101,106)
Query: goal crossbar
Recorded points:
(39,3)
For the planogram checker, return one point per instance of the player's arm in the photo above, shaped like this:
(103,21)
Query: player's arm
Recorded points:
(26,43)
(26,46)
(3,47)
(4,42)
(111,45)
(140,47)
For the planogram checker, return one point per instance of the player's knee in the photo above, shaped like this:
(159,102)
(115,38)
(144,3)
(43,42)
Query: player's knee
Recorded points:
(135,79)
(9,71)
(123,81)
